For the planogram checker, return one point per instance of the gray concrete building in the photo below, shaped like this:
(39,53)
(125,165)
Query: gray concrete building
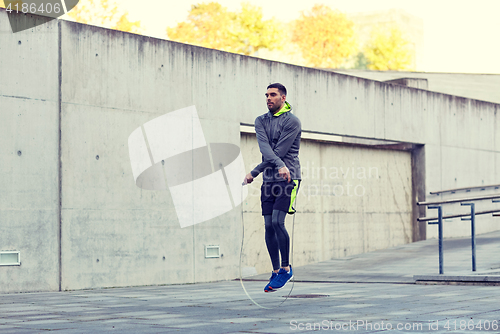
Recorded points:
(483,87)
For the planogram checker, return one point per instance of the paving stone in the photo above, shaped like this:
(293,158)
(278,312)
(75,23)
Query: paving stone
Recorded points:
(223,307)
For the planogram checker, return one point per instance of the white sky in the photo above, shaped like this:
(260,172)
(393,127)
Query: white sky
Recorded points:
(459,35)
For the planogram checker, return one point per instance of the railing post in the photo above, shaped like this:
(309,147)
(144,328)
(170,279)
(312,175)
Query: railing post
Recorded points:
(440,236)
(473,232)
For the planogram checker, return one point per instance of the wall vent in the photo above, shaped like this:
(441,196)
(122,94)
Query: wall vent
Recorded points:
(212,251)
(10,258)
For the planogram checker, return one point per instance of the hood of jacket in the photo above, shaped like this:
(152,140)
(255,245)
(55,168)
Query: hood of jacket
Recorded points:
(286,108)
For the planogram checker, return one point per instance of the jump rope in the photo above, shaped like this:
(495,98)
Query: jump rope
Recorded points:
(241,252)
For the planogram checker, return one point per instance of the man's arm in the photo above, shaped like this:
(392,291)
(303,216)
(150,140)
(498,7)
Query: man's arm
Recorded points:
(288,135)
(260,168)
(261,138)
(283,172)
(269,156)
(256,171)
(267,152)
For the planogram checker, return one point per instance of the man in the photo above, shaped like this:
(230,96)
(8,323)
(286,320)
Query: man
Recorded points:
(278,134)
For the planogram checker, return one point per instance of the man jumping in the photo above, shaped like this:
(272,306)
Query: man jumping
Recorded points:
(278,134)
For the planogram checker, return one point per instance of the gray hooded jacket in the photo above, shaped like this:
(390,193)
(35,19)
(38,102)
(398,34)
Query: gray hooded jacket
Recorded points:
(278,136)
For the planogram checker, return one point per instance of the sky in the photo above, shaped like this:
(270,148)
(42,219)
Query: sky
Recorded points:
(460,36)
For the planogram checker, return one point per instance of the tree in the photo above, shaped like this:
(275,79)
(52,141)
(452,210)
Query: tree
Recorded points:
(213,26)
(253,33)
(105,13)
(357,61)
(206,25)
(325,36)
(388,50)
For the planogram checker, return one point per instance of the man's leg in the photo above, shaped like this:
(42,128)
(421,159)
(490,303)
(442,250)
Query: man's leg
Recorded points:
(285,273)
(267,202)
(272,242)
(281,207)
(283,239)
(285,198)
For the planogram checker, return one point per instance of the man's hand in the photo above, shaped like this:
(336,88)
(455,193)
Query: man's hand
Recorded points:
(248,179)
(285,173)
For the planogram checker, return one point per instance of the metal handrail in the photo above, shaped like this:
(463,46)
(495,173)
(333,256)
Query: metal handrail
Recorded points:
(478,198)
(439,221)
(496,186)
(427,219)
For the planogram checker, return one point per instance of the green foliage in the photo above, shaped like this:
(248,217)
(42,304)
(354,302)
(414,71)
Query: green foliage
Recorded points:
(214,26)
(203,26)
(325,37)
(252,32)
(388,50)
(360,61)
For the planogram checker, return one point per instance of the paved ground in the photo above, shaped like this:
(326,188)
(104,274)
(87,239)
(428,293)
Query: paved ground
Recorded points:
(370,293)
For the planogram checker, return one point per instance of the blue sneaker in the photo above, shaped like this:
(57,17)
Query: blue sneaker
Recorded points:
(281,280)
(273,276)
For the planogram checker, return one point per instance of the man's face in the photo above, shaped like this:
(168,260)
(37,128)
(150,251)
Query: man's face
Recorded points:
(274,100)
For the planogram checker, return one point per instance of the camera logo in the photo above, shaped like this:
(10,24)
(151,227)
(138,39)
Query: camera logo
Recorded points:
(47,9)
(170,151)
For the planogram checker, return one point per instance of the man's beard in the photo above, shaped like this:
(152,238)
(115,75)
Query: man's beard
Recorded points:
(275,108)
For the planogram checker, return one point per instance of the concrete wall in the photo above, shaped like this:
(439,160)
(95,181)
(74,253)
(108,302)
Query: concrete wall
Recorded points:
(473,86)
(29,155)
(71,95)
(114,233)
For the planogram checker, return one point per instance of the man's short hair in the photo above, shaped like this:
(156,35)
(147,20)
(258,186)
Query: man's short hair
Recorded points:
(280,87)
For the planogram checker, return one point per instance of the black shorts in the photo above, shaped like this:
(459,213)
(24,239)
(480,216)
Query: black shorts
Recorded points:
(278,196)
